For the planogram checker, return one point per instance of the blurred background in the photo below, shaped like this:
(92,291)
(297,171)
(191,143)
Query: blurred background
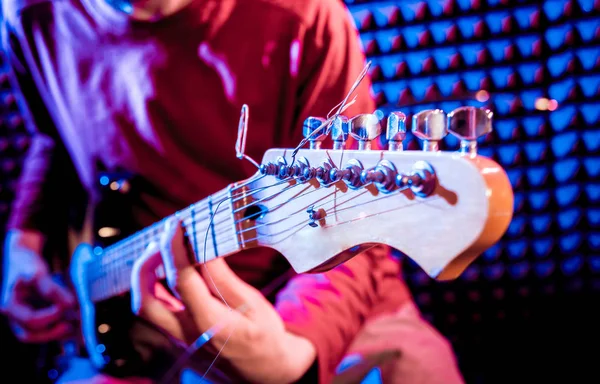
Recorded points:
(526,310)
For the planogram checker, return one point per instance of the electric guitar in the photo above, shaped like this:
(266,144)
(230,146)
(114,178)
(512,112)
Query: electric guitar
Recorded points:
(319,207)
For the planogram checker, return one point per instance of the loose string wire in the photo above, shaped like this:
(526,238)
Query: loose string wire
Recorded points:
(341,107)
(240,148)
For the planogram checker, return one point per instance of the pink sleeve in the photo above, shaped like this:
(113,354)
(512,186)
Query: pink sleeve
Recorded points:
(330,308)
(46,167)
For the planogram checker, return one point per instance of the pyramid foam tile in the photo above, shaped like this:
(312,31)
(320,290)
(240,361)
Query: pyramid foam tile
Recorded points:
(542,247)
(592,166)
(593,216)
(440,8)
(562,117)
(414,10)
(387,16)
(529,97)
(442,57)
(493,253)
(528,45)
(537,176)
(592,191)
(534,126)
(554,9)
(517,249)
(564,144)
(567,195)
(518,202)
(594,241)
(535,152)
(506,129)
(539,200)
(588,6)
(446,83)
(588,57)
(566,170)
(590,85)
(363,18)
(520,270)
(544,268)
(568,219)
(556,36)
(570,243)
(515,176)
(589,30)
(389,41)
(500,77)
(415,36)
(443,31)
(530,73)
(494,272)
(560,90)
(509,155)
(591,113)
(572,265)
(517,227)
(591,140)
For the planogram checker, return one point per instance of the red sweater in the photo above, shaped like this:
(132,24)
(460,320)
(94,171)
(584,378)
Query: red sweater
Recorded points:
(162,100)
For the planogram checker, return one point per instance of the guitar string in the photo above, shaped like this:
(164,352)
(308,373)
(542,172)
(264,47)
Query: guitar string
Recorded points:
(219,232)
(184,214)
(334,209)
(111,253)
(140,244)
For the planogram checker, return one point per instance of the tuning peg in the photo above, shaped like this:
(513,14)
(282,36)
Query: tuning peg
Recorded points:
(339,132)
(396,130)
(430,126)
(311,125)
(468,124)
(364,128)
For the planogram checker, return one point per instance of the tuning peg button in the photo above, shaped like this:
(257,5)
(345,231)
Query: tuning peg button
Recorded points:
(431,127)
(468,124)
(314,132)
(396,131)
(339,132)
(365,128)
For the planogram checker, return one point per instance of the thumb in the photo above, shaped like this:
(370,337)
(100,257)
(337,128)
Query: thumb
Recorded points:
(227,285)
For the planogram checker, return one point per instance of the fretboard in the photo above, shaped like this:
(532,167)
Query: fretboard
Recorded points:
(210,229)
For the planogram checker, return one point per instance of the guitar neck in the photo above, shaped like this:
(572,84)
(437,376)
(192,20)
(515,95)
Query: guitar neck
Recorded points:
(210,228)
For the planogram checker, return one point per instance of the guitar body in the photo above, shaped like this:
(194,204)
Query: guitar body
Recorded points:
(105,326)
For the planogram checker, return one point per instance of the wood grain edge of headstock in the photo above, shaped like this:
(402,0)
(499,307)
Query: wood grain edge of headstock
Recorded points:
(500,211)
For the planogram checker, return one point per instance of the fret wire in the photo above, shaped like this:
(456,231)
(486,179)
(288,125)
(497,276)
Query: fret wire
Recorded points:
(112,252)
(194,237)
(121,255)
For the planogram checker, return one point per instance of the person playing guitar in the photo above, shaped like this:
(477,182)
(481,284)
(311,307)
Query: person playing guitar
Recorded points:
(154,87)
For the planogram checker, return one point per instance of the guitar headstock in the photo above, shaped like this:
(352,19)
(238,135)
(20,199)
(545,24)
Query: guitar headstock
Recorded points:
(442,209)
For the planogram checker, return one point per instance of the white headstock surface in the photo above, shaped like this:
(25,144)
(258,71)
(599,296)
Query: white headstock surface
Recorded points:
(456,220)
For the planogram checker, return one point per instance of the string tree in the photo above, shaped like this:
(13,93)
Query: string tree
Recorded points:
(430,126)
(468,124)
